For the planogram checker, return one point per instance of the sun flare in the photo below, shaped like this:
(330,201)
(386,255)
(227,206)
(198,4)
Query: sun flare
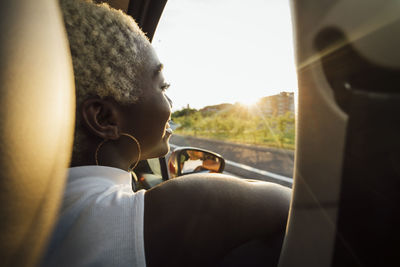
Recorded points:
(248,101)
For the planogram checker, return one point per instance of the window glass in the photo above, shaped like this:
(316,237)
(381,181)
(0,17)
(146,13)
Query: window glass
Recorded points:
(233,82)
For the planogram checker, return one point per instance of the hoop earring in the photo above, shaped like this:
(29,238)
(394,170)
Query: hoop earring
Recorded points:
(125,134)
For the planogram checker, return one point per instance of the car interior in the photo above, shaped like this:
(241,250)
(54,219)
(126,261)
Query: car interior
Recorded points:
(344,209)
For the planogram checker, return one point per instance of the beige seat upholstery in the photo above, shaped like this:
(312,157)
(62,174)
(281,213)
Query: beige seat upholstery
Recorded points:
(36,125)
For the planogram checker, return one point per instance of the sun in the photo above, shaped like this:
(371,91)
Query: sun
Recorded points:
(248,100)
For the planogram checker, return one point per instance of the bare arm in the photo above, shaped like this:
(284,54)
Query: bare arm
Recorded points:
(198,219)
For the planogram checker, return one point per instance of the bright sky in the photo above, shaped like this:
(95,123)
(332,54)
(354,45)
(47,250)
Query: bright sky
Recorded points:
(219,51)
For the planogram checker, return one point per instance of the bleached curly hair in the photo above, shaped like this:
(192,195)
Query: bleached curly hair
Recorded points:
(107,49)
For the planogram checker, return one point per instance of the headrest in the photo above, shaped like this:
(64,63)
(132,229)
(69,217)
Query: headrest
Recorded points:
(37,105)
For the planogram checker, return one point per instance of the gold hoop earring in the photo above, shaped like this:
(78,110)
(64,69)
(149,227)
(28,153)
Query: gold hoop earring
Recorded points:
(125,134)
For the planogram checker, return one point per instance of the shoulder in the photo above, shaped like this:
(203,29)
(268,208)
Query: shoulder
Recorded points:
(220,194)
(99,214)
(209,213)
(94,187)
(222,188)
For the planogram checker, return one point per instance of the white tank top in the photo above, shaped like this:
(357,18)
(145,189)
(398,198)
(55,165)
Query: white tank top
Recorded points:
(100,222)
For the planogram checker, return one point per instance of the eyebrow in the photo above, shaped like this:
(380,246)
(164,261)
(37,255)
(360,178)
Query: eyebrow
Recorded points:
(159,68)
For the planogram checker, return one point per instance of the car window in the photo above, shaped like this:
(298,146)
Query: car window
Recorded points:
(154,165)
(233,82)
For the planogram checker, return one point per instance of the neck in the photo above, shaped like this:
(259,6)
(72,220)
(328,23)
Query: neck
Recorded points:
(108,155)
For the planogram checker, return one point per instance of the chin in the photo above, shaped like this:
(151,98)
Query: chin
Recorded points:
(165,150)
(160,151)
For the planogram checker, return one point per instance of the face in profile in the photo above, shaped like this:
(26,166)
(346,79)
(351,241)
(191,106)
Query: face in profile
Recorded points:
(148,117)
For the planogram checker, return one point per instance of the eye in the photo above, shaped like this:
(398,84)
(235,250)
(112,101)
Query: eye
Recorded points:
(165,86)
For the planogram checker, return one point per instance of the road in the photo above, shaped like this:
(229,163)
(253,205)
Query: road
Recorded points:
(247,161)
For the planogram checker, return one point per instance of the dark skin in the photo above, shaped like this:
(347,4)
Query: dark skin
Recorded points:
(197,220)
(146,120)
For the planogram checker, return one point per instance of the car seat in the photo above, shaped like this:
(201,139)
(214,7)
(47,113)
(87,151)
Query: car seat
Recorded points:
(36,122)
(344,209)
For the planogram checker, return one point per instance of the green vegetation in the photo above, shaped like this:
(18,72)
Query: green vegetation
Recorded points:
(238,124)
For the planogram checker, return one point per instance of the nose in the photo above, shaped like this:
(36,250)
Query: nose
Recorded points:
(169,101)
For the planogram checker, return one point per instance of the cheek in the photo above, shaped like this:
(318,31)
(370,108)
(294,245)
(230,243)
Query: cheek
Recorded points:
(166,107)
(163,108)
(158,114)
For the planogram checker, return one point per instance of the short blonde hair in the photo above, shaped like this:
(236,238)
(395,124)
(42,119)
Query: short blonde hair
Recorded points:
(107,49)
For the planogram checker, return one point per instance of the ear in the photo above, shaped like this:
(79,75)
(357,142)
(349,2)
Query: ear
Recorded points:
(101,117)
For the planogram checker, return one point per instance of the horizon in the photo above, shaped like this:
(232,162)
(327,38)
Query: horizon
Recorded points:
(228,103)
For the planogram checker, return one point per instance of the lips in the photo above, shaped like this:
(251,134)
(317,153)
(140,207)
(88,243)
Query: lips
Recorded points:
(168,129)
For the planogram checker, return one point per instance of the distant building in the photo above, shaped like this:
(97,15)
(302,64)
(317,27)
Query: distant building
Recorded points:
(215,108)
(277,104)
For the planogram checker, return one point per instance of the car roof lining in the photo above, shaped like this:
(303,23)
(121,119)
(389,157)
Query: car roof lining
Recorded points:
(146,13)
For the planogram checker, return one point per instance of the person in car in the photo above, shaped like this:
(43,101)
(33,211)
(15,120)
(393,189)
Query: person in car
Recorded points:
(122,117)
